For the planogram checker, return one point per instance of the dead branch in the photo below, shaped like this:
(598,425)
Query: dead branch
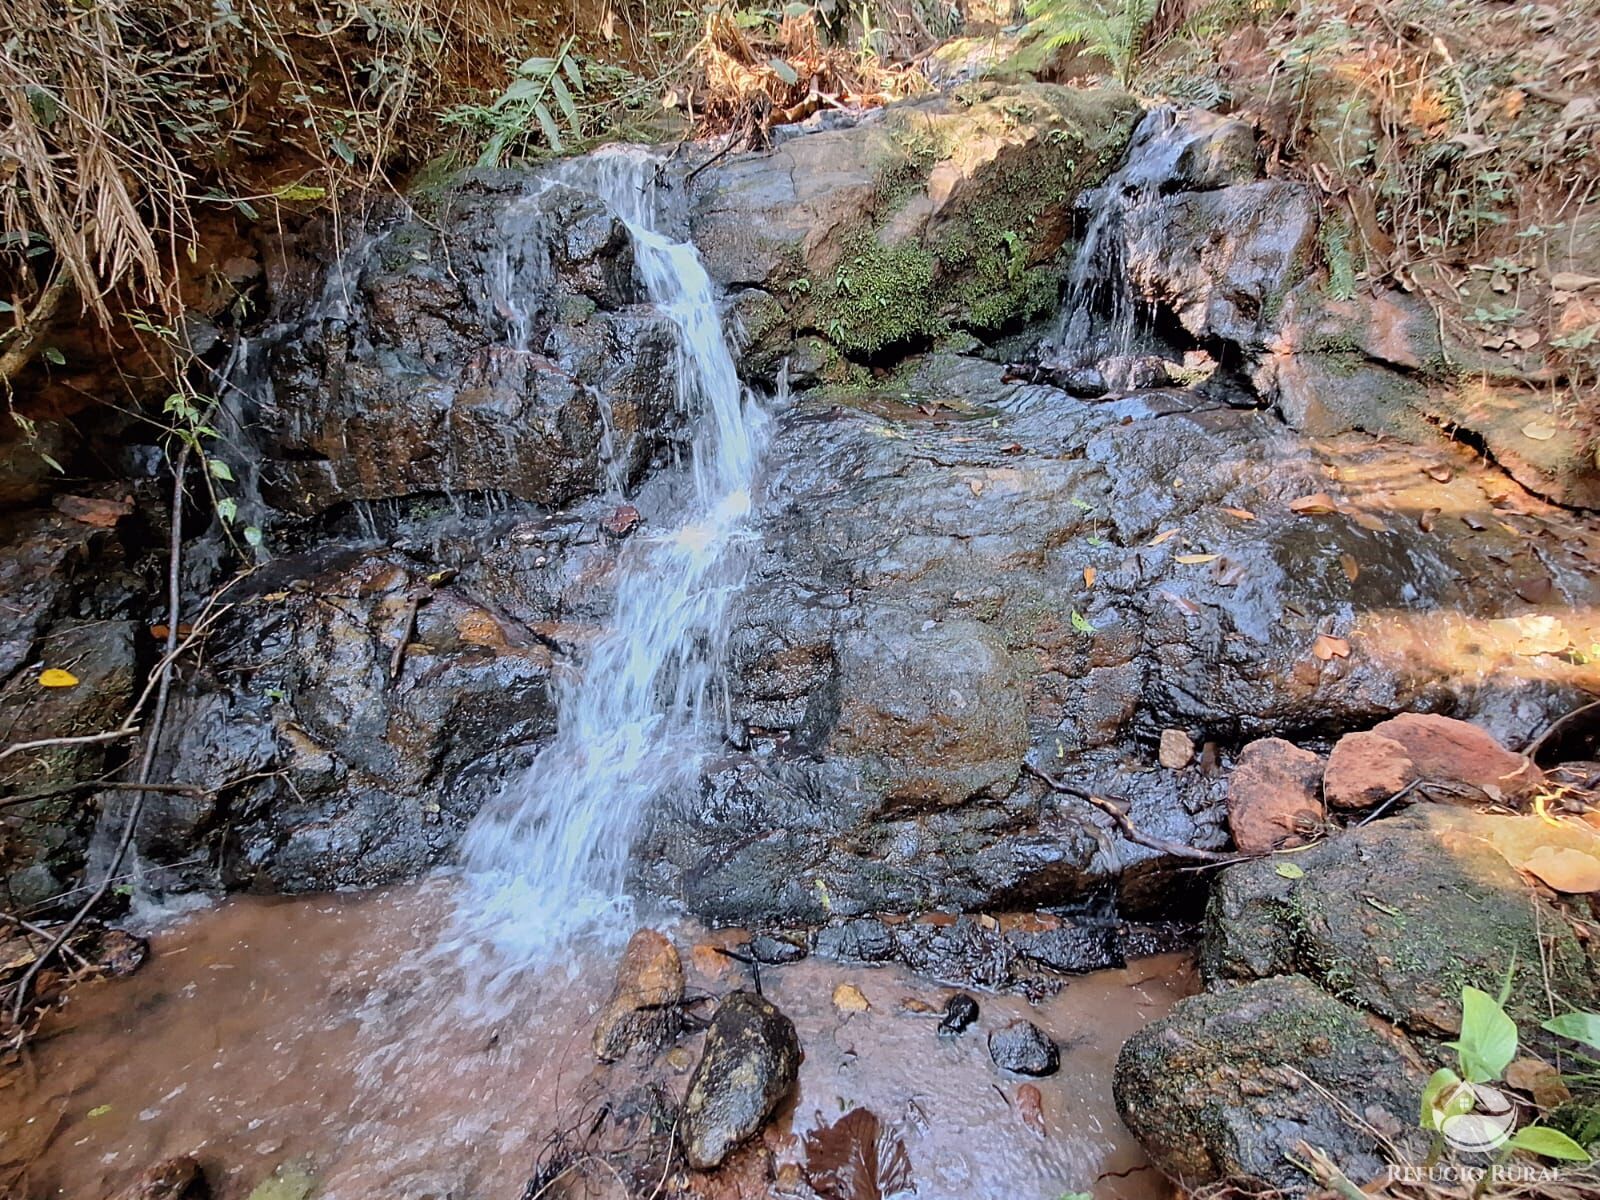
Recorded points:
(30,333)
(1129,830)
(163,693)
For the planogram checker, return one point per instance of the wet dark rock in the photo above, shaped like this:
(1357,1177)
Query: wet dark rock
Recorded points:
(1087,383)
(776,949)
(1365,769)
(750,1063)
(866,940)
(620,521)
(177,1178)
(1217,1089)
(1273,796)
(645,1007)
(1133,372)
(1022,1047)
(349,759)
(459,361)
(1397,917)
(960,1011)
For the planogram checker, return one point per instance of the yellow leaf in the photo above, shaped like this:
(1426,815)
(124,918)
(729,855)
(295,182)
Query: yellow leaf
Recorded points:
(847,998)
(56,677)
(1244,514)
(1194,559)
(1163,536)
(1089,574)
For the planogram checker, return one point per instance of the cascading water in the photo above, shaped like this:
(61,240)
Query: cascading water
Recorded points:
(546,859)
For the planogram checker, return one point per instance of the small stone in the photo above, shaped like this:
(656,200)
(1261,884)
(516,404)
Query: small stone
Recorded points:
(750,1063)
(1365,769)
(1454,751)
(1177,749)
(1024,1048)
(1085,383)
(644,1004)
(776,949)
(620,521)
(1272,796)
(960,1011)
(848,998)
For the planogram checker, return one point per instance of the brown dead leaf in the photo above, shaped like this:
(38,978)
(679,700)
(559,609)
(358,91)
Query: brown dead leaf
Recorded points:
(1182,603)
(848,998)
(1030,1107)
(1369,521)
(1428,519)
(1190,560)
(1165,535)
(1352,569)
(1535,589)
(856,1158)
(1440,472)
(1314,505)
(1540,1080)
(1329,647)
(1244,514)
(102,514)
(1565,869)
(1227,572)
(1089,576)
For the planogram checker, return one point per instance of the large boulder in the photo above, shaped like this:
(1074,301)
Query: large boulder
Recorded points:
(942,213)
(1227,1086)
(750,1063)
(1397,917)
(501,346)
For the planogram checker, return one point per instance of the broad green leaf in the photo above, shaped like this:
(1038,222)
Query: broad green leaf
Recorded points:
(1579,1026)
(784,71)
(1081,622)
(564,100)
(55,356)
(1549,1143)
(1488,1039)
(252,535)
(552,135)
(1291,871)
(220,470)
(576,76)
(227,509)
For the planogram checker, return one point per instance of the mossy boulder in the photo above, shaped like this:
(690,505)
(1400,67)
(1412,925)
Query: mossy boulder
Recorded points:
(946,213)
(1227,1086)
(1397,917)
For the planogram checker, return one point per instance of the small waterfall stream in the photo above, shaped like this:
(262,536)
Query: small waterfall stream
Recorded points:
(546,859)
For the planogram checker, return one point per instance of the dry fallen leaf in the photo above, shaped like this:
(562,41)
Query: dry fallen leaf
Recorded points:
(1244,514)
(1538,431)
(55,677)
(1164,536)
(1089,576)
(1182,603)
(1564,868)
(1540,1080)
(856,1158)
(1369,521)
(848,998)
(1190,560)
(1428,519)
(1352,569)
(1440,472)
(1315,504)
(1327,647)
(1030,1107)
(102,514)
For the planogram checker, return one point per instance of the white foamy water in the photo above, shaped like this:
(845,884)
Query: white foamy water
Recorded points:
(546,859)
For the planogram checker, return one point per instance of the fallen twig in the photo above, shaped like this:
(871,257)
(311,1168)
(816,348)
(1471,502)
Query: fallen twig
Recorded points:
(1129,830)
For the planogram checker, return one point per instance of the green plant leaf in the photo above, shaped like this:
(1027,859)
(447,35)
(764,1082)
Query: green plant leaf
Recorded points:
(1291,871)
(227,509)
(1441,1079)
(220,470)
(1549,1143)
(552,134)
(1488,1039)
(1081,623)
(252,535)
(55,356)
(1579,1026)
(784,71)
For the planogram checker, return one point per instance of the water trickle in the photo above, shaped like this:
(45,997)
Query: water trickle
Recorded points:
(1101,316)
(546,859)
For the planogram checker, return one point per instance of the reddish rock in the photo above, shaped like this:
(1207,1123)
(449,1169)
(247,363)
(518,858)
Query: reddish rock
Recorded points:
(1365,769)
(1272,796)
(644,1009)
(1455,752)
(620,521)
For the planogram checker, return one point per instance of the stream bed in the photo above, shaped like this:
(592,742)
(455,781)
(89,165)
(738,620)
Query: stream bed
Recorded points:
(317,1036)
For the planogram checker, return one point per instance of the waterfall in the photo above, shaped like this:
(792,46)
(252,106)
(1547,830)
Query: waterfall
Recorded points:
(545,861)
